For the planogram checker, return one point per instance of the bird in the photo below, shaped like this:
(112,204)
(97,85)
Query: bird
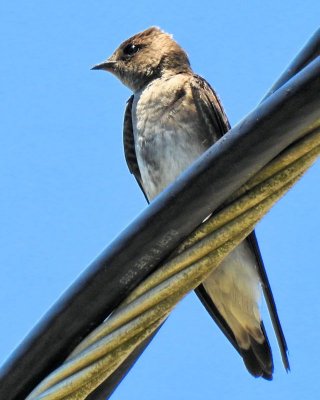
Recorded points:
(172,117)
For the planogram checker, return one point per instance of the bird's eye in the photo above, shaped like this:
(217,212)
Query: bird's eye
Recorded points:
(130,49)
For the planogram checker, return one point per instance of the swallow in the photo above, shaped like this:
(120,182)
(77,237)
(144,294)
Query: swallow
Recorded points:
(173,117)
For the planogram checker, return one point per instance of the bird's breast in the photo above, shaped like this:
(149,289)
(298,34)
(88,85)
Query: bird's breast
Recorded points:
(165,141)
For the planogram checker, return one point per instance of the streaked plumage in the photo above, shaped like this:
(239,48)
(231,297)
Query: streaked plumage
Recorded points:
(171,119)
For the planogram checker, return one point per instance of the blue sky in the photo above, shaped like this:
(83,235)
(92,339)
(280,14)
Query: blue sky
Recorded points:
(66,191)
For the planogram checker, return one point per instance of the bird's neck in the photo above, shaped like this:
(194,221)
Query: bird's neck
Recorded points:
(166,74)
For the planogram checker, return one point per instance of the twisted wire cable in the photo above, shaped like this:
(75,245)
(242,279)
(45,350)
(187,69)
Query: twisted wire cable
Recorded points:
(145,309)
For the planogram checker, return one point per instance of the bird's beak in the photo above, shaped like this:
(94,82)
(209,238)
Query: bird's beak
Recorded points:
(107,65)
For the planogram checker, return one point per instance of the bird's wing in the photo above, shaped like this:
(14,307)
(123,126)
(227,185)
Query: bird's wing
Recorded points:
(210,109)
(128,144)
(252,240)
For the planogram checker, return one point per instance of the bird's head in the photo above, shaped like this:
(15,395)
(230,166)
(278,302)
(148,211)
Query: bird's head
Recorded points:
(146,56)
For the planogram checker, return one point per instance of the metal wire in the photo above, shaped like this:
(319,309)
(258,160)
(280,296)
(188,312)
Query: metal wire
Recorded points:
(150,303)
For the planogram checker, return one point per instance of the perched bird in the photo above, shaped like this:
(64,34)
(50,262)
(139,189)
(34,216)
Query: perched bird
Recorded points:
(172,117)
